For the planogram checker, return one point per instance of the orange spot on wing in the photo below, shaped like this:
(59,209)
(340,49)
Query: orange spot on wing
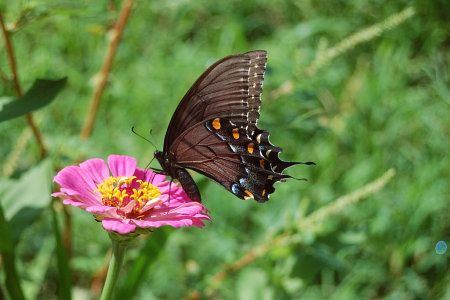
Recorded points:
(263,192)
(236,133)
(250,148)
(216,123)
(261,163)
(249,195)
(258,138)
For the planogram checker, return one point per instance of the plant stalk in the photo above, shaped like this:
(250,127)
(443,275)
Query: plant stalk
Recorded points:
(12,62)
(115,265)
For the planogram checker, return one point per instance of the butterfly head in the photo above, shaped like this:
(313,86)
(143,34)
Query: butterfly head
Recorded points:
(163,159)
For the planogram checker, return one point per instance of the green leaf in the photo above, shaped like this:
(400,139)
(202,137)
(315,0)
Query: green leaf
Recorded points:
(24,199)
(65,280)
(141,266)
(12,282)
(41,93)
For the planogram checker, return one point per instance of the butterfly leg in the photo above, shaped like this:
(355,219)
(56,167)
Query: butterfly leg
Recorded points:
(168,202)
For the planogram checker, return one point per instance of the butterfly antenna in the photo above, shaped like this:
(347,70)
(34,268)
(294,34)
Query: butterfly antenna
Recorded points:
(132,129)
(154,138)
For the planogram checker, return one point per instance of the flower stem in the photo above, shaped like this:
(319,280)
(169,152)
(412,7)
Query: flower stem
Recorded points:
(118,253)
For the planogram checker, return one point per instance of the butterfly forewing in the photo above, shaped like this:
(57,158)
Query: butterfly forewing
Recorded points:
(255,84)
(224,91)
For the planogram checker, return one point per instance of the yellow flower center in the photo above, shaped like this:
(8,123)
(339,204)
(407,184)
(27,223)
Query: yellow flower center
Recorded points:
(116,192)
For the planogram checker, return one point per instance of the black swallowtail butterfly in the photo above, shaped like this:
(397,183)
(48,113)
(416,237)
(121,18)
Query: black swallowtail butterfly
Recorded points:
(213,131)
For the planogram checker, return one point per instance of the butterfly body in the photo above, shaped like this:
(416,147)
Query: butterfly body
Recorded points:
(179,173)
(213,132)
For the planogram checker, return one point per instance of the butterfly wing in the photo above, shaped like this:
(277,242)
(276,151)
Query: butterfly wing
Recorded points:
(244,164)
(230,88)
(213,131)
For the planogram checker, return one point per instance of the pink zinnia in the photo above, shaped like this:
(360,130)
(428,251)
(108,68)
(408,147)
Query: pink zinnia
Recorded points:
(129,198)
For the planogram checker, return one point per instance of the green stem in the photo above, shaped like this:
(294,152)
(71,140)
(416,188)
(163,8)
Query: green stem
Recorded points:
(117,255)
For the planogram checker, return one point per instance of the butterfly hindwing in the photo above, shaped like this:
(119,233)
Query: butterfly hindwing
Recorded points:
(230,156)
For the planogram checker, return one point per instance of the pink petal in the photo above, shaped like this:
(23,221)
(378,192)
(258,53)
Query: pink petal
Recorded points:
(149,176)
(157,179)
(118,225)
(128,207)
(164,186)
(75,181)
(122,165)
(175,191)
(176,222)
(58,194)
(102,210)
(97,169)
(185,209)
(77,198)
(144,175)
(191,209)
(152,203)
(202,216)
(75,203)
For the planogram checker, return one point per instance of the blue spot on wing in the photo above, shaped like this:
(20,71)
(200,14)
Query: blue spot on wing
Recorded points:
(235,189)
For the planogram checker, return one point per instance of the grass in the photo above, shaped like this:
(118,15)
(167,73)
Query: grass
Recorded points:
(381,103)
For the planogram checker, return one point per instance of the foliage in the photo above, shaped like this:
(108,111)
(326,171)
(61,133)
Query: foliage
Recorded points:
(380,103)
(40,94)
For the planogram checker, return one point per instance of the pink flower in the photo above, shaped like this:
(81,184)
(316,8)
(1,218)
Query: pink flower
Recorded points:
(129,198)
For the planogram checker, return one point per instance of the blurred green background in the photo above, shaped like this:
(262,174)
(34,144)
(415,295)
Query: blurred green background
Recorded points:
(358,87)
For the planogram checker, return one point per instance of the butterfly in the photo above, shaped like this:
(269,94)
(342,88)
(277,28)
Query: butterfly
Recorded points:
(213,132)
